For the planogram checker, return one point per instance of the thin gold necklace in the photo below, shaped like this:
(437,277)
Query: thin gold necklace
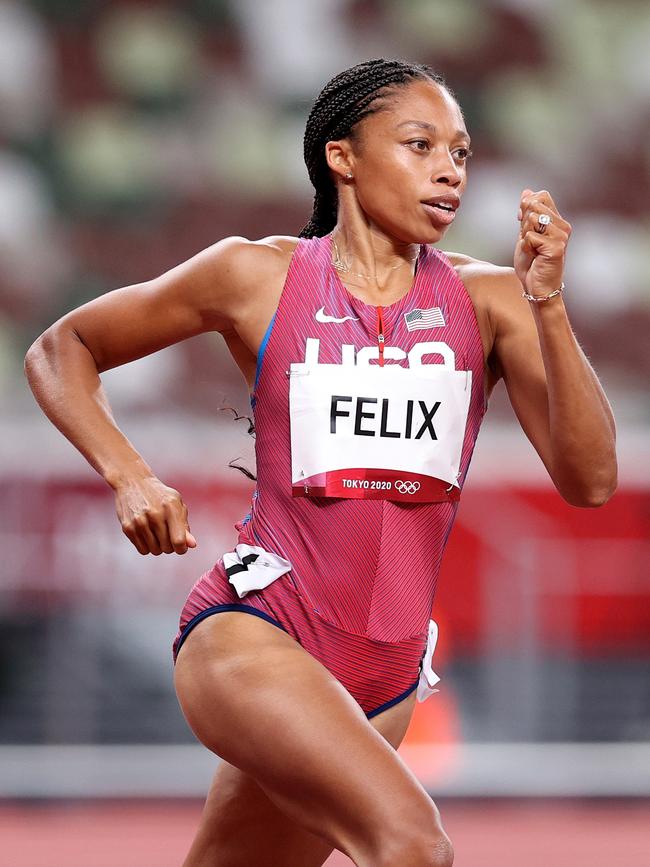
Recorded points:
(340,265)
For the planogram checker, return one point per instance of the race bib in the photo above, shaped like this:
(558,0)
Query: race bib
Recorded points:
(378,432)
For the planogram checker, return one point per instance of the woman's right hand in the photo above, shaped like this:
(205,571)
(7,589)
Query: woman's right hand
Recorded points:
(153,516)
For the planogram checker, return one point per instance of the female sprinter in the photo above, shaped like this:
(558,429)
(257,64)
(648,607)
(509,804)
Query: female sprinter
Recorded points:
(370,356)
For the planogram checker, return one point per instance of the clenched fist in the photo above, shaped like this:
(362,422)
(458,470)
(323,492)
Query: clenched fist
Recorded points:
(153,516)
(541,246)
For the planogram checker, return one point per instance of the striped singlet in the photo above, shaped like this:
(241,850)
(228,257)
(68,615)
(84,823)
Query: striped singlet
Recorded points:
(359,593)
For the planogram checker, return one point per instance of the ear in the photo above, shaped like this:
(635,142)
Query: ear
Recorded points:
(340,159)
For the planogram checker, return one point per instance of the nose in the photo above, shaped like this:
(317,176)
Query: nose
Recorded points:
(446,171)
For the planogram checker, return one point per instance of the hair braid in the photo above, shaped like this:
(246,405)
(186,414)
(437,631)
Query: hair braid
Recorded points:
(344,101)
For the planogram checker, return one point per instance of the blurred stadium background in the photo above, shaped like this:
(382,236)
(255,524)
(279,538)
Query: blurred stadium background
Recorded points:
(133,134)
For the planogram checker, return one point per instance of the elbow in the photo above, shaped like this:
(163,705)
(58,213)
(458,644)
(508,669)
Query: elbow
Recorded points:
(44,344)
(595,494)
(35,354)
(593,499)
(38,355)
(31,357)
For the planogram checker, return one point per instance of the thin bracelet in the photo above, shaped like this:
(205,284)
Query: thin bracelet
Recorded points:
(537,298)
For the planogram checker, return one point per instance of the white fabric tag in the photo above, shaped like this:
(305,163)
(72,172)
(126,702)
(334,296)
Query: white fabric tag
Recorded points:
(257,572)
(428,677)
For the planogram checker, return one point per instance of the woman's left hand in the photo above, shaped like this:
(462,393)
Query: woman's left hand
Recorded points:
(539,256)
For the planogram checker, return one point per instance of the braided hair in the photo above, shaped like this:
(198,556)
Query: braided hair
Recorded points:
(350,96)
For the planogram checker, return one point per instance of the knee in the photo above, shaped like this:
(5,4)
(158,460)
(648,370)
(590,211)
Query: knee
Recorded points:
(441,852)
(425,850)
(414,837)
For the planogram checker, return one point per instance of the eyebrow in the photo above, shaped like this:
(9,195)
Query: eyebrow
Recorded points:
(422,124)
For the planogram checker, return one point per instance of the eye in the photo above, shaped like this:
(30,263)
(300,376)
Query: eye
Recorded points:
(463,153)
(420,141)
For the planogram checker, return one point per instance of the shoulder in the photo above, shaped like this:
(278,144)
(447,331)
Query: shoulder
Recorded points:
(227,280)
(482,275)
(236,274)
(239,258)
(495,290)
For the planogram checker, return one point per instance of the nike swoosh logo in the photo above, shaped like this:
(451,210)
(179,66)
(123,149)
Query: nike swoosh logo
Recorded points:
(321,316)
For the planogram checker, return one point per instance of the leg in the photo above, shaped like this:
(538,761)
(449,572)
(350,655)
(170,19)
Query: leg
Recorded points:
(256,698)
(241,826)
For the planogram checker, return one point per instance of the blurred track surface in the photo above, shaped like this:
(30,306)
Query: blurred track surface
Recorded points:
(525,833)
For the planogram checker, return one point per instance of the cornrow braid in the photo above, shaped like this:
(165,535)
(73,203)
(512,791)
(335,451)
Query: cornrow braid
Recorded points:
(344,101)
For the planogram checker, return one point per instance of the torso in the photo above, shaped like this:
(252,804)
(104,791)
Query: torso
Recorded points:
(343,585)
(332,499)
(245,336)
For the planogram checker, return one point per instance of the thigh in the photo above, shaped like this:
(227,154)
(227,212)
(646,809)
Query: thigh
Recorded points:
(240,825)
(256,698)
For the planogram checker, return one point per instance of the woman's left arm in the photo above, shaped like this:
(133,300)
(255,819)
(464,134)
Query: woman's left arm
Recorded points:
(553,389)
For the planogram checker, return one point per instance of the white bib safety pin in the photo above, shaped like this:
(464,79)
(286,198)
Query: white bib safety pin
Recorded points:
(450,488)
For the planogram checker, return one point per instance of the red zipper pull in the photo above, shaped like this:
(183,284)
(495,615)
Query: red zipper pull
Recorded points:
(380,335)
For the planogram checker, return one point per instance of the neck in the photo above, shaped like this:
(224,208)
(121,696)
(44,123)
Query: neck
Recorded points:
(365,250)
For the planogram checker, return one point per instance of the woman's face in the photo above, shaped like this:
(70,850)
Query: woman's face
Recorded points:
(409,162)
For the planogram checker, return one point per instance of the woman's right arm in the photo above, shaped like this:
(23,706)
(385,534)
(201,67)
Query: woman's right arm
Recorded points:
(207,293)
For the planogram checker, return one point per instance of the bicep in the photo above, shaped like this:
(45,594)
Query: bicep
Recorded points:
(128,323)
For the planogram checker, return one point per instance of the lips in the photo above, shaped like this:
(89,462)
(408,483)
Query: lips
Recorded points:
(441,210)
(439,214)
(449,201)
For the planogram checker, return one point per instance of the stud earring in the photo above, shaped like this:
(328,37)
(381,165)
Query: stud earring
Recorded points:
(348,175)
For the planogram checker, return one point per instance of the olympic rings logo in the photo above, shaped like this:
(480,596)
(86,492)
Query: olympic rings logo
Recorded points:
(407,487)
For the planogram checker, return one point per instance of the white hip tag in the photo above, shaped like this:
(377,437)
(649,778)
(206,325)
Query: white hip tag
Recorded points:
(428,677)
(377,432)
(250,567)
